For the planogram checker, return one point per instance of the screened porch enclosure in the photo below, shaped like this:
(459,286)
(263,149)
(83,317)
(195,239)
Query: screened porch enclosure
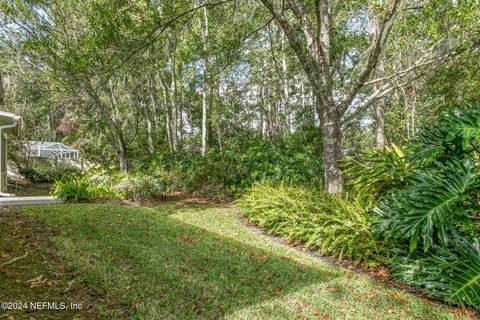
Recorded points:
(45,149)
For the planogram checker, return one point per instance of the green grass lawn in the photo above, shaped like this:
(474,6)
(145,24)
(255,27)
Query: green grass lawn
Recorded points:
(192,261)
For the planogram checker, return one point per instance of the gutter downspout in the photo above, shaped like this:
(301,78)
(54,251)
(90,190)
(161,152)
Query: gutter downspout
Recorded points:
(7,126)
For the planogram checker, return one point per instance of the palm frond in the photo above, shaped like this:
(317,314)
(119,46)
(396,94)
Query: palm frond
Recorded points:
(376,172)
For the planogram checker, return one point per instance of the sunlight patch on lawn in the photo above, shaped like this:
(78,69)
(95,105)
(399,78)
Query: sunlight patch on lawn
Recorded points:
(187,261)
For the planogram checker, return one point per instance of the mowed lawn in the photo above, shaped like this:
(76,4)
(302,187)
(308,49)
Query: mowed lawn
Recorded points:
(196,261)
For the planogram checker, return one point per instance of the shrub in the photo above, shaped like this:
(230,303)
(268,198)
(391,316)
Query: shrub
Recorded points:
(450,273)
(95,184)
(47,174)
(431,210)
(138,187)
(80,188)
(438,211)
(75,189)
(233,170)
(98,183)
(378,172)
(334,225)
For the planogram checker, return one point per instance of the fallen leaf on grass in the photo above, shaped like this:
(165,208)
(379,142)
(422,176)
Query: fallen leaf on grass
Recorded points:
(372,295)
(36,282)
(187,238)
(324,315)
(332,289)
(257,256)
(397,296)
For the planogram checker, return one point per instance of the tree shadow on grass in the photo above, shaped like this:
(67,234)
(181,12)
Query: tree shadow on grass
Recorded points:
(158,267)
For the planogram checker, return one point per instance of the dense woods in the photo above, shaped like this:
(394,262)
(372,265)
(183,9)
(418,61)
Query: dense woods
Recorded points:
(147,77)
(350,127)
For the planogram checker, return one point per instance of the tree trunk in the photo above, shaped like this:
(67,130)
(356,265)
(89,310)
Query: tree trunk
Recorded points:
(173,96)
(150,126)
(205,88)
(122,154)
(285,85)
(2,93)
(414,103)
(204,119)
(380,121)
(332,144)
(379,105)
(180,121)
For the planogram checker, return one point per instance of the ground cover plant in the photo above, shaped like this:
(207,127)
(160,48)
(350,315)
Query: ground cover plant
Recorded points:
(336,226)
(198,261)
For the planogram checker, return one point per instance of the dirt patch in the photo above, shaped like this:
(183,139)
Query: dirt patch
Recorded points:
(24,188)
(33,280)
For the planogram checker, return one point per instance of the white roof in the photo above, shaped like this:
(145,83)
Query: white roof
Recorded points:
(50,149)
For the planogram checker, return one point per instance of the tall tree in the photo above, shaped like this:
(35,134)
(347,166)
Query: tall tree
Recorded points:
(314,52)
(342,78)
(205,83)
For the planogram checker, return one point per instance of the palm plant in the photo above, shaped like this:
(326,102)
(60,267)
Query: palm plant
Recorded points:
(377,172)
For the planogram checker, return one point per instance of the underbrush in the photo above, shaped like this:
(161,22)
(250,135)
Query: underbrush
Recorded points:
(99,184)
(428,206)
(335,225)
(233,170)
(47,174)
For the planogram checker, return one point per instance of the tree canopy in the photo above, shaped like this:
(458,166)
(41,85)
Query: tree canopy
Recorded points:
(123,80)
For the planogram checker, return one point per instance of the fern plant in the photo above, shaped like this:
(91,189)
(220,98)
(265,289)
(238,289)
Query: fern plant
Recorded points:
(335,225)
